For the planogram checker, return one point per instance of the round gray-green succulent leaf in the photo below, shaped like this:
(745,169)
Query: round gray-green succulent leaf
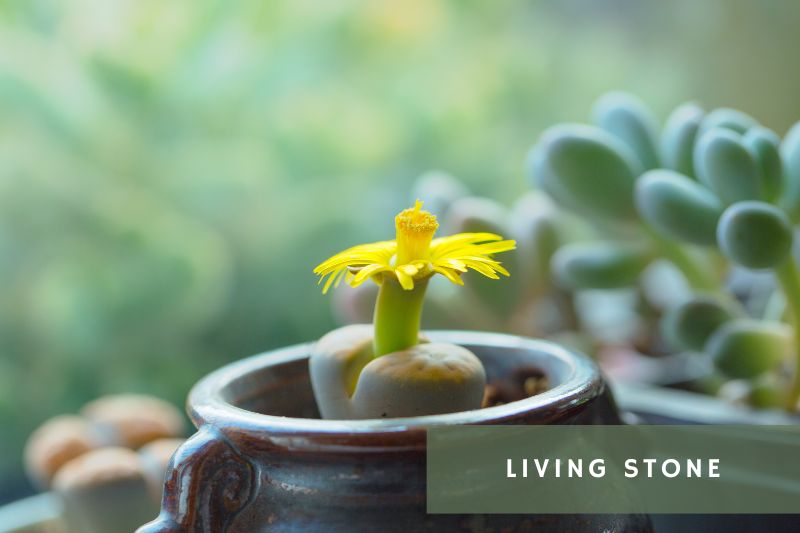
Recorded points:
(764,144)
(678,207)
(727,167)
(790,154)
(679,136)
(599,265)
(535,223)
(689,325)
(746,348)
(756,235)
(626,117)
(729,119)
(541,175)
(587,170)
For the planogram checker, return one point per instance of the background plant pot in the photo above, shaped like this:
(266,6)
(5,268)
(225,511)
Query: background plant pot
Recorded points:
(682,370)
(35,514)
(262,459)
(646,404)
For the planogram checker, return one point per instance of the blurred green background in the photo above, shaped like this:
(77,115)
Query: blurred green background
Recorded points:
(170,172)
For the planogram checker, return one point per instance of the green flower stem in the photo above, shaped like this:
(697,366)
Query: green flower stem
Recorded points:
(699,278)
(790,284)
(397,316)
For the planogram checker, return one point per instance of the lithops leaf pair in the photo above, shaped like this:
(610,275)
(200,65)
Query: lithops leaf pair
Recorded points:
(423,379)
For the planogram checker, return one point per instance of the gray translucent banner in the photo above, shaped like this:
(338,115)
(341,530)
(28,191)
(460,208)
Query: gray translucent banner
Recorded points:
(614,469)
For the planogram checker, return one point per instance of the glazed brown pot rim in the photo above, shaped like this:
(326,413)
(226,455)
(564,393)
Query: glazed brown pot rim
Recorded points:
(208,404)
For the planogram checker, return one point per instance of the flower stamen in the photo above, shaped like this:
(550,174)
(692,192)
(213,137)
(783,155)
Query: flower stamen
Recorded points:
(415,255)
(414,228)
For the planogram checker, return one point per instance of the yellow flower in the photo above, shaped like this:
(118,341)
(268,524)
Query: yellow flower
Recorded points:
(415,255)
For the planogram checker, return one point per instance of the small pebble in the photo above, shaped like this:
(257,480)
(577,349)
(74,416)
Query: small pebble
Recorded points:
(523,383)
(535,385)
(133,420)
(105,491)
(56,442)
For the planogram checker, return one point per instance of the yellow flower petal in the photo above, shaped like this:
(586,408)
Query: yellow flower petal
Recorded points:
(462,239)
(483,269)
(449,256)
(449,274)
(328,283)
(453,263)
(406,281)
(497,247)
(367,272)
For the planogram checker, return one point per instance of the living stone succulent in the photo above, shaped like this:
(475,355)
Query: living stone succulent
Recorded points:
(422,379)
(387,370)
(711,193)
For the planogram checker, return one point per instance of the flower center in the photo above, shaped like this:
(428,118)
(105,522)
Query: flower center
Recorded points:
(415,229)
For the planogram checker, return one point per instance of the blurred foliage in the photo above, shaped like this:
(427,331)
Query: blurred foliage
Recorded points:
(170,172)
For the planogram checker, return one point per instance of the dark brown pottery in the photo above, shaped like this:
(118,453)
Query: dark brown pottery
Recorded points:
(262,460)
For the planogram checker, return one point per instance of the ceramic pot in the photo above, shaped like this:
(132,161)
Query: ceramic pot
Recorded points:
(262,460)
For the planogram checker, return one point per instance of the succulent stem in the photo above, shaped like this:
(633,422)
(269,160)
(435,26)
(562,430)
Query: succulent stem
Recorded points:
(397,316)
(699,278)
(790,283)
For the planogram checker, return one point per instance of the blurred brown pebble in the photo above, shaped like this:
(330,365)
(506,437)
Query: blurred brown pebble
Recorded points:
(105,491)
(491,396)
(535,385)
(524,383)
(133,420)
(155,458)
(56,442)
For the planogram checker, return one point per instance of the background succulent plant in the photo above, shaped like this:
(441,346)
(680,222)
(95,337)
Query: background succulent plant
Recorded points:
(713,193)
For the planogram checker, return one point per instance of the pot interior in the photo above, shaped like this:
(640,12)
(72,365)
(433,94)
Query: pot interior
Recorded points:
(278,383)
